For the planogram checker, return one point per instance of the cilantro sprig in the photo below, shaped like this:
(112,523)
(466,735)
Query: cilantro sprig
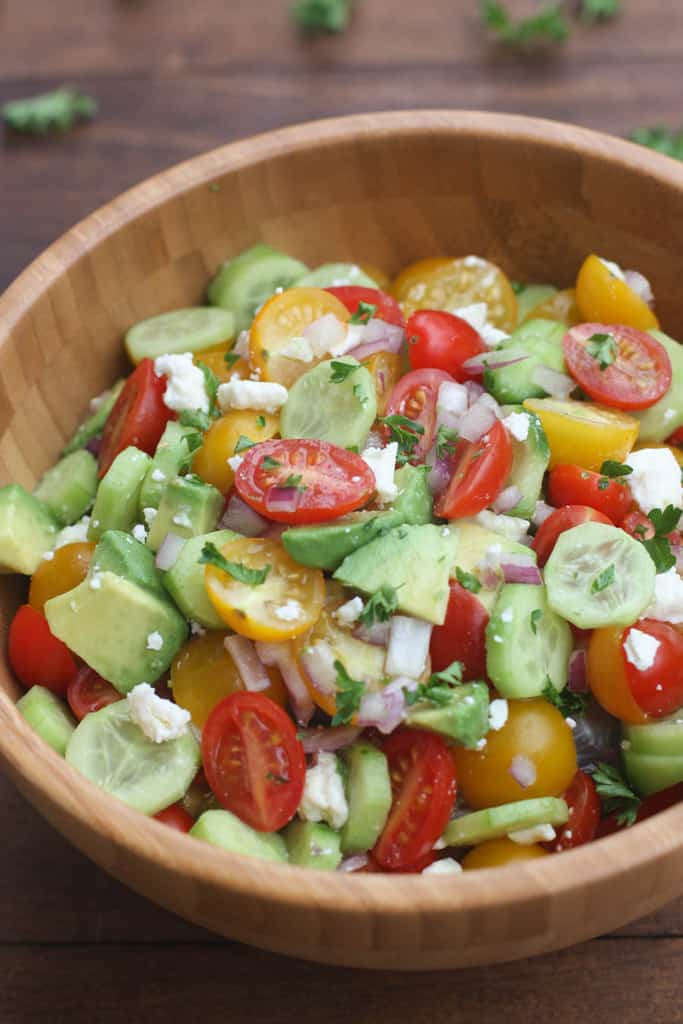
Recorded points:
(446,441)
(211,385)
(658,547)
(364,312)
(230,358)
(568,703)
(439,687)
(253,577)
(294,481)
(467,580)
(243,444)
(603,348)
(55,111)
(405,432)
(340,371)
(195,418)
(349,695)
(548,26)
(615,794)
(381,606)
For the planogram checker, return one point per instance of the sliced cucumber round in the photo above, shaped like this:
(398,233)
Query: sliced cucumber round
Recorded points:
(599,576)
(113,752)
(527,643)
(182,330)
(336,275)
(329,406)
(494,822)
(243,284)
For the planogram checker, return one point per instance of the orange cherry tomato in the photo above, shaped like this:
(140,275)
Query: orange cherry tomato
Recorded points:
(604,298)
(584,433)
(496,853)
(452,284)
(65,570)
(606,673)
(210,462)
(385,368)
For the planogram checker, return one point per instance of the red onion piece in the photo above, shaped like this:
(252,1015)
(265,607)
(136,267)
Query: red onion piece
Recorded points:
(249,665)
(377,634)
(677,552)
(383,710)
(168,552)
(241,518)
(275,530)
(329,740)
(439,475)
(94,445)
(597,736)
(558,385)
(378,336)
(541,513)
(523,770)
(507,499)
(324,333)
(578,682)
(477,421)
(639,284)
(408,647)
(354,863)
(518,572)
(282,501)
(474,391)
(299,697)
(318,662)
(493,360)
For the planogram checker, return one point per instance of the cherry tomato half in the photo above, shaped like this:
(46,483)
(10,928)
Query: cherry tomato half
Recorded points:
(415,397)
(37,657)
(65,570)
(606,674)
(387,308)
(676,438)
(138,417)
(441,341)
(651,805)
(496,853)
(557,522)
(584,815)
(658,690)
(463,635)
(479,470)
(637,375)
(573,485)
(253,760)
(175,817)
(423,788)
(303,481)
(88,692)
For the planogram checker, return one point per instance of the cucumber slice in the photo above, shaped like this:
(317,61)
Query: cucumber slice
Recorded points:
(110,750)
(221,828)
(531,295)
(172,457)
(68,489)
(118,496)
(182,330)
(184,581)
(94,424)
(650,773)
(530,460)
(49,716)
(599,576)
(336,275)
(666,415)
(368,795)
(540,341)
(243,284)
(661,738)
(523,653)
(311,844)
(494,822)
(341,413)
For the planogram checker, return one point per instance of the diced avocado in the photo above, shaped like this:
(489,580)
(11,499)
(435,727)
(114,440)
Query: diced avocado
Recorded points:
(224,829)
(662,737)
(68,489)
(666,415)
(368,791)
(540,343)
(494,822)
(650,773)
(118,496)
(171,458)
(415,560)
(116,627)
(531,295)
(94,424)
(244,283)
(530,460)
(49,716)
(464,719)
(125,556)
(27,530)
(326,547)
(310,844)
(188,508)
(474,542)
(185,580)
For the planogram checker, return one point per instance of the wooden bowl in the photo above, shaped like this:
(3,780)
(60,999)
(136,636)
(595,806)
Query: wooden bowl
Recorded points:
(386,189)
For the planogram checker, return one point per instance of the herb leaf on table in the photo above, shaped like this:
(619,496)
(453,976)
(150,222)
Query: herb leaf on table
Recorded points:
(55,111)
(322,15)
(548,26)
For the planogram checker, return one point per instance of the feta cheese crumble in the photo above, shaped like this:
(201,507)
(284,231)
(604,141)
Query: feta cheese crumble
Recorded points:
(656,478)
(641,649)
(477,316)
(251,394)
(667,604)
(445,866)
(155,641)
(159,719)
(149,515)
(139,532)
(235,461)
(290,611)
(517,424)
(511,527)
(452,401)
(185,388)
(76,534)
(324,798)
(529,836)
(382,462)
(498,714)
(299,349)
(182,519)
(349,613)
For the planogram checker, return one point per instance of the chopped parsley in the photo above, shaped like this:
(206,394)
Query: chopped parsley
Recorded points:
(211,385)
(405,432)
(614,469)
(270,463)
(254,577)
(451,675)
(56,111)
(349,695)
(446,441)
(467,580)
(569,704)
(661,139)
(194,418)
(194,441)
(615,794)
(364,313)
(658,547)
(603,348)
(439,687)
(243,443)
(260,421)
(534,619)
(548,26)
(358,394)
(340,371)
(230,358)
(295,482)
(595,10)
(382,605)
(604,579)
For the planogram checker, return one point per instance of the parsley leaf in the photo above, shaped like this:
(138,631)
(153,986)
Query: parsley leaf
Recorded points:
(254,577)
(446,441)
(211,385)
(194,441)
(534,619)
(661,139)
(382,604)
(603,348)
(295,482)
(594,10)
(322,15)
(358,394)
(406,434)
(569,704)
(615,793)
(340,371)
(665,520)
(260,421)
(467,580)
(243,443)
(194,418)
(451,675)
(548,26)
(439,687)
(230,358)
(51,111)
(349,695)
(364,312)
(658,547)
(270,463)
(614,469)
(604,579)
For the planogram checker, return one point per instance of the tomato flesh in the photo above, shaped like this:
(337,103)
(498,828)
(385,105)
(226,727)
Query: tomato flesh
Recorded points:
(138,417)
(463,635)
(584,815)
(557,522)
(638,375)
(479,470)
(573,485)
(441,341)
(175,817)
(88,692)
(415,397)
(253,761)
(657,690)
(387,308)
(36,656)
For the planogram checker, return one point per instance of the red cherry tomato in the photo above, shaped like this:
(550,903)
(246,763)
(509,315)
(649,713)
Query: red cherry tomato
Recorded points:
(372,867)
(639,526)
(572,485)
(37,657)
(658,690)
(651,805)
(442,341)
(176,817)
(638,374)
(138,417)
(479,470)
(387,308)
(253,761)
(303,481)
(676,438)
(88,692)
(560,520)
(462,636)
(415,397)
(584,815)
(423,787)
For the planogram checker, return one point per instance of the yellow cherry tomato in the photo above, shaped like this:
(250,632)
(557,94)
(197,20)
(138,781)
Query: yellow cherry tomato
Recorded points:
(255,610)
(583,433)
(385,367)
(210,462)
(561,307)
(203,673)
(65,570)
(282,319)
(460,283)
(381,279)
(606,674)
(605,299)
(414,275)
(537,734)
(676,452)
(496,853)
(214,358)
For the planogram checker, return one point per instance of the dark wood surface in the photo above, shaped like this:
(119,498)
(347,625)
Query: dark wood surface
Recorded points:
(174,78)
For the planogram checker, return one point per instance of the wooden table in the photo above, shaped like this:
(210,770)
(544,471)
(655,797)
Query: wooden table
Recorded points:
(174,78)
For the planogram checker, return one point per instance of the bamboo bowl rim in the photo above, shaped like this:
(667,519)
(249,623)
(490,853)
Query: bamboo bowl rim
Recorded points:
(617,857)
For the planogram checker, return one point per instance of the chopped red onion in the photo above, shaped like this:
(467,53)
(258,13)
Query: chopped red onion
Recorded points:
(377,634)
(493,360)
(241,518)
(382,709)
(324,333)
(94,445)
(168,552)
(329,740)
(474,391)
(267,652)
(596,735)
(439,474)
(408,646)
(507,499)
(477,421)
(275,530)
(541,513)
(378,336)
(558,385)
(523,770)
(677,552)
(577,682)
(318,661)
(516,571)
(249,665)
(354,863)
(639,284)
(282,501)
(299,697)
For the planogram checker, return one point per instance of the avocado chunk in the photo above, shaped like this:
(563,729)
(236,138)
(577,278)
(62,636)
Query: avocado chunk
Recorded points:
(530,460)
(537,343)
(474,543)
(650,773)
(415,560)
(118,496)
(123,631)
(326,547)
(311,844)
(172,457)
(666,415)
(464,719)
(68,489)
(494,822)
(49,716)
(224,829)
(185,580)
(368,791)
(125,556)
(94,424)
(27,530)
(188,508)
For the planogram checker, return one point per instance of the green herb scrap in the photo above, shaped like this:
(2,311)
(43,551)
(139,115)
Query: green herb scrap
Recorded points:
(658,547)
(467,580)
(446,441)
(382,605)
(211,385)
(322,15)
(569,704)
(359,395)
(595,10)
(270,463)
(55,111)
(254,577)
(340,371)
(604,579)
(364,312)
(295,482)
(349,695)
(439,687)
(451,675)
(405,432)
(534,619)
(614,469)
(662,140)
(603,348)
(615,794)
(194,418)
(243,444)
(548,26)
(230,358)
